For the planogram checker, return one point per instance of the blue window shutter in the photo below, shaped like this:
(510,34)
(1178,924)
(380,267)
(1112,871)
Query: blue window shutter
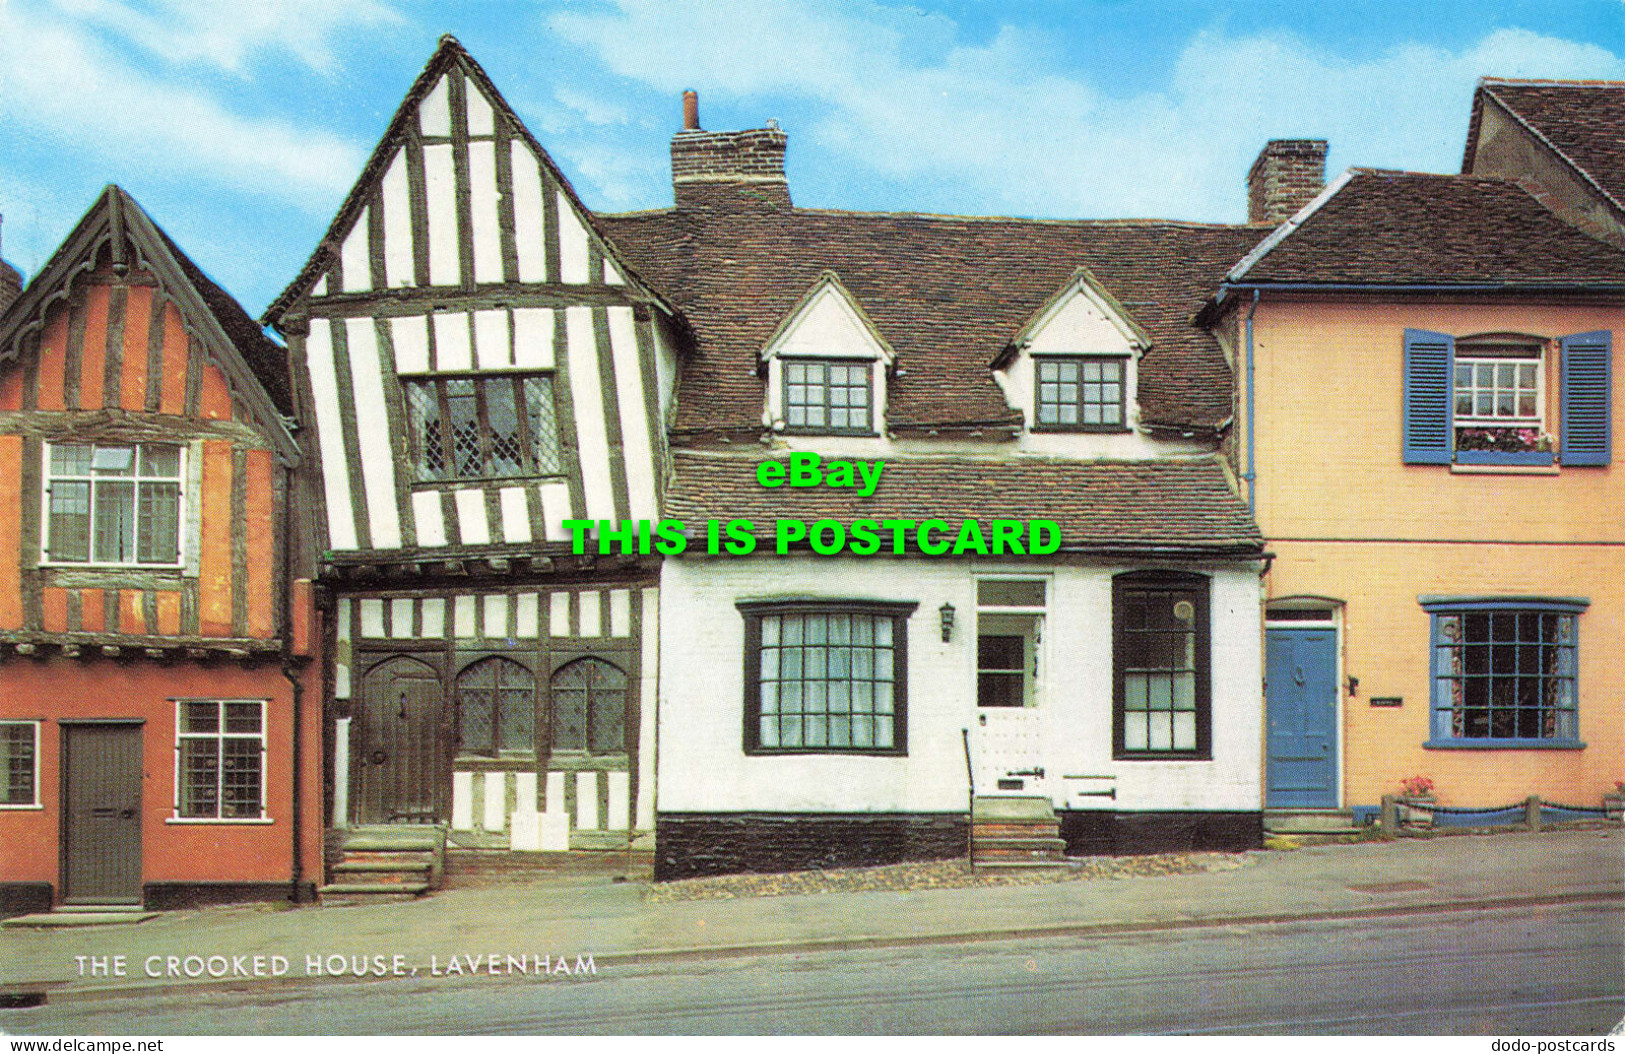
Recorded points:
(1430,360)
(1587,391)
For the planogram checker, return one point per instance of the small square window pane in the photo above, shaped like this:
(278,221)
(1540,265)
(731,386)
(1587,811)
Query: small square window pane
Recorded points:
(1162,731)
(883,731)
(792,628)
(160,461)
(1091,371)
(1068,371)
(70,459)
(243,717)
(200,717)
(113,461)
(1134,733)
(882,631)
(770,631)
(770,731)
(1184,731)
(770,698)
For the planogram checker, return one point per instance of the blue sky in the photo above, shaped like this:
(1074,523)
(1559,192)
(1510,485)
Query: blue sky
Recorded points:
(240,124)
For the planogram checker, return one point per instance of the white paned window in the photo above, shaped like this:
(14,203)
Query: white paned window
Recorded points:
(220,759)
(113,503)
(1080,394)
(824,396)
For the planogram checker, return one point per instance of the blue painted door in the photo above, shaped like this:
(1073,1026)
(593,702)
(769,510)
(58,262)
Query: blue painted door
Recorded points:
(1301,703)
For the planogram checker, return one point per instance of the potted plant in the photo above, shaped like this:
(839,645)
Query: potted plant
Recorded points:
(1614,802)
(1416,799)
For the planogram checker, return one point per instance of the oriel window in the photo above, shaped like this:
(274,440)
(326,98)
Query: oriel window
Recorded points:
(488,426)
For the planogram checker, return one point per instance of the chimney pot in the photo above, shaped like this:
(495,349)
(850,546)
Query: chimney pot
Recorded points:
(1286,177)
(691,111)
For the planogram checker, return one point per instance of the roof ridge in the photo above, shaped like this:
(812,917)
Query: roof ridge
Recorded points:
(1551,82)
(1044,220)
(1546,141)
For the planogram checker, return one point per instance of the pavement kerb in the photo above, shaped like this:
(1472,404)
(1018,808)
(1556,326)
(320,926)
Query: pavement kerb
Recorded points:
(56,992)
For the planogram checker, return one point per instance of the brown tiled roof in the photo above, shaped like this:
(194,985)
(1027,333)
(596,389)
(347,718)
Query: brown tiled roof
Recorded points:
(1583,120)
(947,292)
(1117,506)
(1408,228)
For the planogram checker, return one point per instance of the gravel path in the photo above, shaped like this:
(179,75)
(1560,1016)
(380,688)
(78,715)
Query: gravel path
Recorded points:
(939,874)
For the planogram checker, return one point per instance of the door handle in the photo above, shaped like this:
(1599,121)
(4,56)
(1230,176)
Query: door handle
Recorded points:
(981,719)
(127,814)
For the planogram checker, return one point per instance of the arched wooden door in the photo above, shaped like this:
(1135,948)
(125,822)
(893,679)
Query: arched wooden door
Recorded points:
(400,746)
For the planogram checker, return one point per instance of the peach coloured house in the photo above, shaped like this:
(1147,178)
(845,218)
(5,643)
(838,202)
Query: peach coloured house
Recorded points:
(1425,411)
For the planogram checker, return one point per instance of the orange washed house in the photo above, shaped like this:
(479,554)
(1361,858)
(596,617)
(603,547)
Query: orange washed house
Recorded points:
(153,670)
(1425,408)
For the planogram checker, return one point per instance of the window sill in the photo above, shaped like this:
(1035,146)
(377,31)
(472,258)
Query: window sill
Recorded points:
(194,821)
(1109,430)
(1504,470)
(37,807)
(860,752)
(1504,744)
(1159,756)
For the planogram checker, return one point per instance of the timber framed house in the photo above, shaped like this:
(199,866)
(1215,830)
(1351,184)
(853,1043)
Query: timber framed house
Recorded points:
(153,641)
(475,365)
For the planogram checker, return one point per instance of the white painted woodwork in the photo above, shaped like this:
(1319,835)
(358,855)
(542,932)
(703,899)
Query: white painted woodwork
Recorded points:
(572,242)
(515,514)
(524,791)
(495,810)
(330,429)
(341,772)
(529,219)
(377,456)
(429,517)
(639,457)
(555,510)
(355,257)
(555,832)
(592,440)
(434,112)
(527,615)
(620,613)
(649,687)
(472,525)
(702,768)
(372,617)
(493,347)
(620,785)
(555,795)
(612,274)
(462,801)
(399,269)
(320,288)
(558,614)
(434,618)
(440,193)
(482,191)
(400,617)
(827,325)
(587,801)
(478,109)
(410,336)
(1006,740)
(462,618)
(496,615)
(524,829)
(589,614)
(341,658)
(534,331)
(451,341)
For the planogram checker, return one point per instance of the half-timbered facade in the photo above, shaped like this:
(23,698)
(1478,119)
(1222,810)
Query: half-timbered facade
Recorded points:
(153,641)
(476,366)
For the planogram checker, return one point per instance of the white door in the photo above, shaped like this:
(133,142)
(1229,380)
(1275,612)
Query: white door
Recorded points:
(1007,741)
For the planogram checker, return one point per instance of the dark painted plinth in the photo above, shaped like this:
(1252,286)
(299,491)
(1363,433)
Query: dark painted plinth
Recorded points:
(688,845)
(171,896)
(24,898)
(1089,833)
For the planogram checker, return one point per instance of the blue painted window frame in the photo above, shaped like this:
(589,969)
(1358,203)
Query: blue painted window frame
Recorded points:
(1442,676)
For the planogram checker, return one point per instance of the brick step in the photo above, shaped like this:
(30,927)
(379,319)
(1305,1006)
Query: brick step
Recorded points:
(1016,865)
(369,871)
(1011,853)
(370,892)
(389,859)
(404,839)
(1016,830)
(1047,845)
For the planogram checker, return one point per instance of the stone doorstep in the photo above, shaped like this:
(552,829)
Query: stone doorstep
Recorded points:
(1012,810)
(1015,830)
(1310,821)
(80,916)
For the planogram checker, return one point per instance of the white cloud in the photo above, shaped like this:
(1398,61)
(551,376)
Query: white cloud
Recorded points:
(1007,124)
(65,91)
(227,33)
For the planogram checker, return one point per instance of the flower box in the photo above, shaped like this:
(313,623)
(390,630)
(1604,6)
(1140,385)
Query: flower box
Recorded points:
(1505,457)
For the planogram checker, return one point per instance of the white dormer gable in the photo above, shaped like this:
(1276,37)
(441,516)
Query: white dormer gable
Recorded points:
(1083,340)
(828,352)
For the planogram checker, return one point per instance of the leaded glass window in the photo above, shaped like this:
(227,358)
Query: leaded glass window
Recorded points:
(589,707)
(482,427)
(19,759)
(496,707)
(221,764)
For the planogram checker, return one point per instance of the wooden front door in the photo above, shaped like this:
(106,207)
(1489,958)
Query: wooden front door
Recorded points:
(1301,704)
(101,814)
(400,746)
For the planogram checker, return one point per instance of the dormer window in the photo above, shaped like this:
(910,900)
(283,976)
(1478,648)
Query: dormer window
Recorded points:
(826,396)
(826,367)
(1082,393)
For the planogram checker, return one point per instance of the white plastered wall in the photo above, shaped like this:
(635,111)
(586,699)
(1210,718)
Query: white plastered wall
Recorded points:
(703,767)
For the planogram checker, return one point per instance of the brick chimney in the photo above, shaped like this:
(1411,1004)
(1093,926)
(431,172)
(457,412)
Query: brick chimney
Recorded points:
(716,168)
(1286,177)
(11,285)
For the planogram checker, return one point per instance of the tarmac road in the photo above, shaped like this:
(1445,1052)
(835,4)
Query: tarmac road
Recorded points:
(1552,969)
